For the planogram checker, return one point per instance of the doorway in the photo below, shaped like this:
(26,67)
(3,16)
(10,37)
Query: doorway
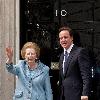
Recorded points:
(40,21)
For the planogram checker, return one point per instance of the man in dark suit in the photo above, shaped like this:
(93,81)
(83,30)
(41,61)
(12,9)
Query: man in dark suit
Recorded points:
(75,72)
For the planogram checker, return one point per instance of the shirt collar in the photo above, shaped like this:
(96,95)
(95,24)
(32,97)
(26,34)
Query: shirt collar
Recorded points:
(69,49)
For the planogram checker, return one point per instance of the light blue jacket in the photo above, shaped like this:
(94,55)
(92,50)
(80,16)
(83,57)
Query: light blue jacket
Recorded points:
(31,84)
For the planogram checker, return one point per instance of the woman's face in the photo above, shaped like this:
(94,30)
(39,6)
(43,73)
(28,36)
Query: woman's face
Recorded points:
(30,55)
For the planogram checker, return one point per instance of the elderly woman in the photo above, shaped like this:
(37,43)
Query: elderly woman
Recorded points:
(33,76)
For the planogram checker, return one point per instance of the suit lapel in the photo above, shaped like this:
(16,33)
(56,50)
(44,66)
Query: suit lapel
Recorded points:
(67,63)
(37,72)
(70,57)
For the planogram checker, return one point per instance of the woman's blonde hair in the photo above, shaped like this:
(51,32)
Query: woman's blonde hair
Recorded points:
(30,45)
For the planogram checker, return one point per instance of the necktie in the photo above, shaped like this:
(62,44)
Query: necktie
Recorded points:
(64,61)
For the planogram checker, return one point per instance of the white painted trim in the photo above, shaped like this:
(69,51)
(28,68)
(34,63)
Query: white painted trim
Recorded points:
(17,31)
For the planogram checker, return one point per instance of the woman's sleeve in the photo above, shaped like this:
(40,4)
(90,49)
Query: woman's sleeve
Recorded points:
(47,85)
(12,68)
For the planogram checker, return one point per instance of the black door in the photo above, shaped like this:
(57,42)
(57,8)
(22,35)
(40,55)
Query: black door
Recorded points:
(40,21)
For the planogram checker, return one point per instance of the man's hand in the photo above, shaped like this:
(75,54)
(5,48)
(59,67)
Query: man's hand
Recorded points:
(84,97)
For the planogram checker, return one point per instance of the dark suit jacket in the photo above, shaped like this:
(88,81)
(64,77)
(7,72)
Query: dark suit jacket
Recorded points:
(76,80)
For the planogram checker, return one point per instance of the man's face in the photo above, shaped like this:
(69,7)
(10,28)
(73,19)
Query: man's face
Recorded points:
(65,39)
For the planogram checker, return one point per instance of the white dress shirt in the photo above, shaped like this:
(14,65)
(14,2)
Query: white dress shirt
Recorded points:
(68,51)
